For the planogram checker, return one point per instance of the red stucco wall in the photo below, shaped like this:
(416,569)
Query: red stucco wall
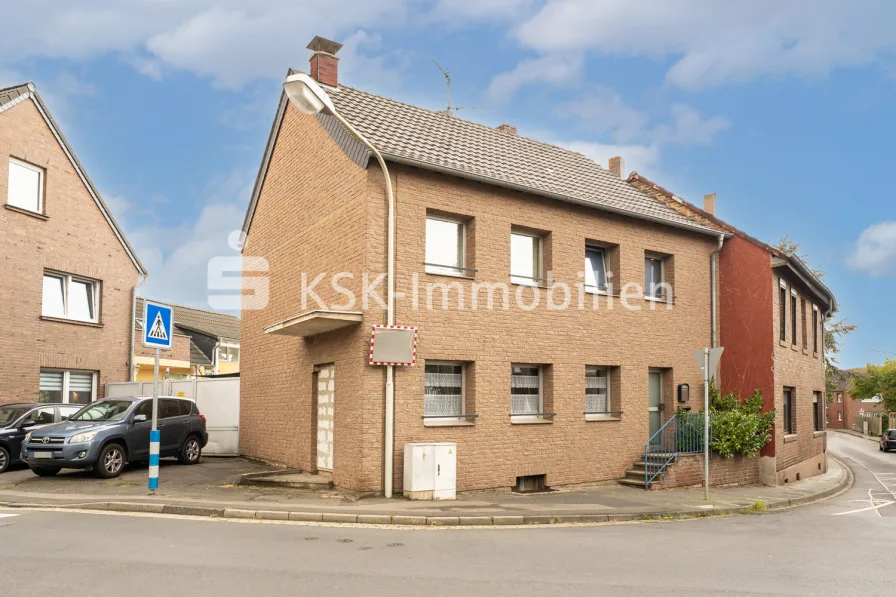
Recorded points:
(747,323)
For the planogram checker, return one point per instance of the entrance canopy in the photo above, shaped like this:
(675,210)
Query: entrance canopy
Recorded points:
(315,322)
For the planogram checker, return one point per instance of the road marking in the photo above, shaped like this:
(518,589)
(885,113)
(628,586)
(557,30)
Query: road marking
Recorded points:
(7,515)
(877,477)
(864,509)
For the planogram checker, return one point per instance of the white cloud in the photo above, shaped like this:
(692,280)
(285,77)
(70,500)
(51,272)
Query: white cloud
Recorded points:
(875,250)
(466,10)
(715,42)
(689,127)
(643,158)
(603,110)
(176,253)
(560,69)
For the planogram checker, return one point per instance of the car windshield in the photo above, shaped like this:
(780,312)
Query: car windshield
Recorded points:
(105,410)
(10,414)
(892,433)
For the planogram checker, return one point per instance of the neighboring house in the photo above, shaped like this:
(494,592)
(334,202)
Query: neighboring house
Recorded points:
(68,273)
(205,343)
(569,396)
(844,412)
(771,318)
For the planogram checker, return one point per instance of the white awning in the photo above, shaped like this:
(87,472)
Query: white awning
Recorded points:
(315,322)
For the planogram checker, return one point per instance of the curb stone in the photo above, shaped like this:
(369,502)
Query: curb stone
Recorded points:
(405,520)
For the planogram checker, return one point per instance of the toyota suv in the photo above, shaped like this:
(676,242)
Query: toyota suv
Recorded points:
(107,434)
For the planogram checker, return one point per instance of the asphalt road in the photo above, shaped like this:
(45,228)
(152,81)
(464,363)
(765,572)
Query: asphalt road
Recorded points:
(840,547)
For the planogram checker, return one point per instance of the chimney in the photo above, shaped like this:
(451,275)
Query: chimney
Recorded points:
(324,64)
(617,166)
(507,128)
(709,204)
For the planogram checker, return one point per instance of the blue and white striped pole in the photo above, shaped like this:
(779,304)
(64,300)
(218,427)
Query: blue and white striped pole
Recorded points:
(154,435)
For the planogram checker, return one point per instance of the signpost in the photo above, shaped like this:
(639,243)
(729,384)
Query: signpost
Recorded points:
(157,333)
(707,360)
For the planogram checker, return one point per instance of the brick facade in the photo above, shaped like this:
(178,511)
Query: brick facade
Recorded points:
(688,471)
(320,212)
(71,236)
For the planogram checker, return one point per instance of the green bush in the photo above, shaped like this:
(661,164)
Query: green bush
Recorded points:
(739,428)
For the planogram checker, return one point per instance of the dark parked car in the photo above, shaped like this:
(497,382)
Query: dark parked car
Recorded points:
(888,441)
(106,434)
(18,419)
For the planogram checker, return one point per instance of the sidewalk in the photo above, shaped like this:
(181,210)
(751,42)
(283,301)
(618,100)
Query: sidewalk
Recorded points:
(872,438)
(607,502)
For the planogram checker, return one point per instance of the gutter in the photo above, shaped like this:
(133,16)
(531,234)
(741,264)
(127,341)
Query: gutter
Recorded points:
(532,191)
(132,375)
(714,287)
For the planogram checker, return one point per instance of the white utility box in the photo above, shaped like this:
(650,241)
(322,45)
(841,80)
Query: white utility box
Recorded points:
(430,471)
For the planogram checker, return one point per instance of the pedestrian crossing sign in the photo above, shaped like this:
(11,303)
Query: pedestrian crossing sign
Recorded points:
(157,325)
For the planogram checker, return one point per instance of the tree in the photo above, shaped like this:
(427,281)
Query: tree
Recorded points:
(878,380)
(834,329)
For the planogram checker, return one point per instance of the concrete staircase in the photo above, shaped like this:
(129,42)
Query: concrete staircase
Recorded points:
(634,477)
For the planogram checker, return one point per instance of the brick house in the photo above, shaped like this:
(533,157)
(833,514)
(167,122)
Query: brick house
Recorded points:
(771,317)
(68,272)
(844,412)
(524,389)
(205,343)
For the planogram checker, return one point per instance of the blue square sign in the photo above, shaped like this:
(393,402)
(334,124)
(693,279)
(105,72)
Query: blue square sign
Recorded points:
(157,325)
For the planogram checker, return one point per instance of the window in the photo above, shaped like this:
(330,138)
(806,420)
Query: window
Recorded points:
(814,328)
(782,306)
(803,333)
(228,354)
(789,417)
(66,412)
(69,297)
(67,387)
(839,398)
(525,259)
(42,416)
(145,409)
(525,389)
(26,186)
(445,251)
(597,390)
(170,407)
(595,268)
(793,317)
(817,405)
(443,390)
(653,277)
(839,415)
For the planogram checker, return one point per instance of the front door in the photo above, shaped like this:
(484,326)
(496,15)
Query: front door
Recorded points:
(655,400)
(326,393)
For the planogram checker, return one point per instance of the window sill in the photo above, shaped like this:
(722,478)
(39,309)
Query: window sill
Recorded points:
(814,355)
(529,420)
(448,274)
(806,351)
(818,434)
(790,437)
(794,348)
(598,417)
(447,422)
(783,343)
(659,300)
(90,324)
(27,212)
(529,284)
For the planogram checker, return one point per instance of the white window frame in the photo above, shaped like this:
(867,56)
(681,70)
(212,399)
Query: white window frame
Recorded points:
(461,419)
(459,271)
(41,173)
(840,416)
(662,260)
(839,397)
(816,323)
(67,279)
(609,414)
(537,260)
(65,383)
(794,313)
(524,418)
(603,252)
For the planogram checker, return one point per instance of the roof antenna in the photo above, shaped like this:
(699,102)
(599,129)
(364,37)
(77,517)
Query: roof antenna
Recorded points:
(447,73)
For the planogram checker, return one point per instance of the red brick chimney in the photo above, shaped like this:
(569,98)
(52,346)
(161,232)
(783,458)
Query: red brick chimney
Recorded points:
(617,166)
(709,203)
(324,63)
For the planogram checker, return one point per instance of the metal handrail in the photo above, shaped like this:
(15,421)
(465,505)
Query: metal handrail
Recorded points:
(449,416)
(681,434)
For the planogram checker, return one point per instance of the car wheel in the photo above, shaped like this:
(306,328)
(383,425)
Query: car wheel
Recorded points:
(111,462)
(45,472)
(4,459)
(191,451)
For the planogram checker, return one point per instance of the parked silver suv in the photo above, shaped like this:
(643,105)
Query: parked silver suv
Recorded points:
(107,434)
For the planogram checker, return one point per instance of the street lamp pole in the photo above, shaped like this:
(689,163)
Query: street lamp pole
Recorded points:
(309,97)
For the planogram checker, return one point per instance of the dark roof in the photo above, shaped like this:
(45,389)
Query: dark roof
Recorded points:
(709,220)
(210,323)
(11,96)
(443,142)
(197,357)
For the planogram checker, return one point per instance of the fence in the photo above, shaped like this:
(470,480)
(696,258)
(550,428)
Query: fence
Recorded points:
(217,398)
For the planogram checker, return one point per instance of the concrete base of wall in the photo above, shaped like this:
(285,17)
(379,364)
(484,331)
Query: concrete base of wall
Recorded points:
(816,465)
(688,471)
(768,475)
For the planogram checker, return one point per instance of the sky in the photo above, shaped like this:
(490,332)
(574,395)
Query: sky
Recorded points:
(784,109)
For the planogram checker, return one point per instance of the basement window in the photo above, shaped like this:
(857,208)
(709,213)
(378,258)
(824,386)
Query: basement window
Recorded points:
(530,484)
